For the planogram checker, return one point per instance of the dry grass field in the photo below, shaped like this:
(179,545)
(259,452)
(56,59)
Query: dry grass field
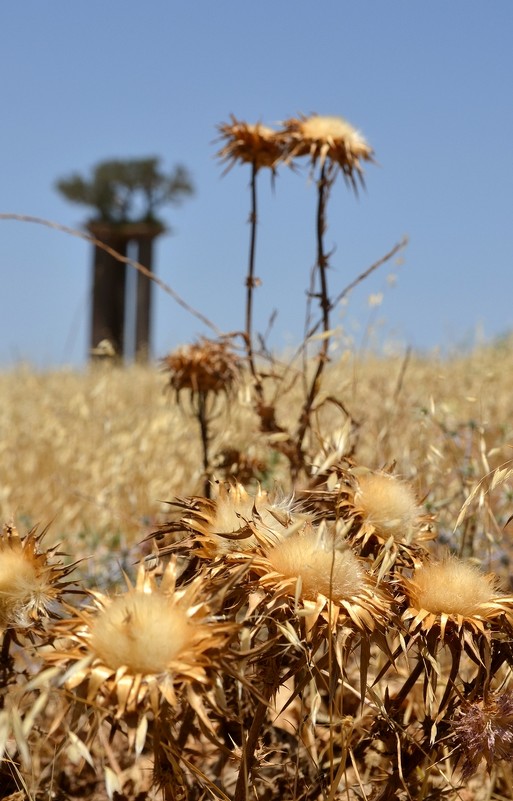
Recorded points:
(98,453)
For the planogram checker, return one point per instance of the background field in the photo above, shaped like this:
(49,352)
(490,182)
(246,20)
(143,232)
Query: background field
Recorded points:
(97,453)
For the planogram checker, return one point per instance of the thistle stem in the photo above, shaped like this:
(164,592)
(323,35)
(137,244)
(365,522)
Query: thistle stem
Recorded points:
(251,283)
(248,755)
(322,259)
(271,684)
(202,415)
(323,186)
(6,665)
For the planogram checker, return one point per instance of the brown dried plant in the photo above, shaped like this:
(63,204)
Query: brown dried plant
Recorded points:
(333,145)
(260,147)
(203,370)
(274,646)
(314,596)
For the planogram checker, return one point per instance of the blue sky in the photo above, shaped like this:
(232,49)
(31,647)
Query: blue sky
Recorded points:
(428,84)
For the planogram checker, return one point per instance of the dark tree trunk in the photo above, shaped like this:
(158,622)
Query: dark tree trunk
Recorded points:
(108,317)
(109,287)
(143,307)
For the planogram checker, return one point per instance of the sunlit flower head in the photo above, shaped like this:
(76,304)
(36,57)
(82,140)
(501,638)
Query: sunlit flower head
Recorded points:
(31,581)
(139,646)
(314,565)
(254,144)
(387,505)
(207,366)
(231,520)
(454,594)
(327,139)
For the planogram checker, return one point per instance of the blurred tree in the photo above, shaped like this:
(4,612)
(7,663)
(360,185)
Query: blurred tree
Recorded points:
(127,191)
(126,196)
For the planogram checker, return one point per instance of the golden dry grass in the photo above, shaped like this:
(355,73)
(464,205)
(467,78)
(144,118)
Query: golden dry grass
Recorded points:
(97,453)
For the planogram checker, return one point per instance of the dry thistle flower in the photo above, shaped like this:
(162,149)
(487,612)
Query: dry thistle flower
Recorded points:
(388,521)
(240,466)
(484,730)
(327,139)
(455,593)
(321,569)
(315,565)
(254,144)
(230,521)
(30,584)
(207,366)
(205,369)
(136,647)
(388,506)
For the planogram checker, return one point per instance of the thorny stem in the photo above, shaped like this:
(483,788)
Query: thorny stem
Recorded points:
(202,415)
(167,772)
(272,682)
(323,185)
(251,284)
(5,664)
(185,728)
(322,259)
(399,698)
(248,755)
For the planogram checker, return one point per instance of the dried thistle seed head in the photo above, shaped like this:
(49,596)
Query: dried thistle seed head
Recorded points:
(238,465)
(235,519)
(140,645)
(249,143)
(142,632)
(327,139)
(30,583)
(388,504)
(207,366)
(308,556)
(453,587)
(454,591)
(316,566)
(484,730)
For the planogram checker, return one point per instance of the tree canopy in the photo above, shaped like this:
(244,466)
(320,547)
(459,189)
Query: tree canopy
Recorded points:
(129,190)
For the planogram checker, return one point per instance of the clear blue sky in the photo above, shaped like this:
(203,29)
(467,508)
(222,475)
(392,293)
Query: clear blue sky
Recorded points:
(429,84)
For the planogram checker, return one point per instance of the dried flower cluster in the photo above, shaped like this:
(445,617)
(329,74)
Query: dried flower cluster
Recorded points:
(208,366)
(484,730)
(135,647)
(455,592)
(249,143)
(323,139)
(273,614)
(327,139)
(32,582)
